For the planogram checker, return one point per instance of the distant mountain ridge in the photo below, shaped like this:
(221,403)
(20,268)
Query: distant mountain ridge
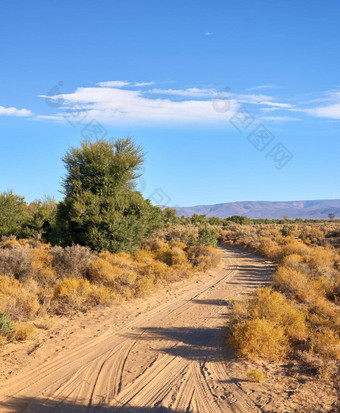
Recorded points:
(317,209)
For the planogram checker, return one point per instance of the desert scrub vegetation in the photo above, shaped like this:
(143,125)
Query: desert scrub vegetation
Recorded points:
(98,245)
(38,279)
(298,316)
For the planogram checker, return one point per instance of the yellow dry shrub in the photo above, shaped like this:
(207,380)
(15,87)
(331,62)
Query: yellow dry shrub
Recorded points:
(121,259)
(41,265)
(23,241)
(23,332)
(180,271)
(311,235)
(18,300)
(179,257)
(256,376)
(294,261)
(326,343)
(178,244)
(154,270)
(153,244)
(291,282)
(268,248)
(11,243)
(319,261)
(102,272)
(320,305)
(260,338)
(203,257)
(164,254)
(117,271)
(273,306)
(293,247)
(73,294)
(143,257)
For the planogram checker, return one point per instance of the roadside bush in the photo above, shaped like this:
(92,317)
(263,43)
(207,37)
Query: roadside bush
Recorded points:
(202,257)
(326,343)
(6,326)
(72,261)
(260,338)
(41,267)
(15,261)
(18,300)
(22,332)
(72,294)
(101,272)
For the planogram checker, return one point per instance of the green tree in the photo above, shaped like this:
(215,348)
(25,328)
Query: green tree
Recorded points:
(199,219)
(13,213)
(207,236)
(170,216)
(101,208)
(331,216)
(42,218)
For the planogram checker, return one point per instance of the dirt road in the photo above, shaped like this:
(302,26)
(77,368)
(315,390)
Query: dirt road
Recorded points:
(166,354)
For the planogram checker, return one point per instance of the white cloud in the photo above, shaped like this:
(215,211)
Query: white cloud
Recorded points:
(263,100)
(279,118)
(330,108)
(261,87)
(138,84)
(111,105)
(328,111)
(208,33)
(190,92)
(113,83)
(15,112)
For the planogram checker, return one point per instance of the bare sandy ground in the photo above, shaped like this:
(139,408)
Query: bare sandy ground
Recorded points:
(164,353)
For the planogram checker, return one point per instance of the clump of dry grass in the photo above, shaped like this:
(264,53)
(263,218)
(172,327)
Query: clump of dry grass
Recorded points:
(267,325)
(73,294)
(260,338)
(256,376)
(203,257)
(23,332)
(18,300)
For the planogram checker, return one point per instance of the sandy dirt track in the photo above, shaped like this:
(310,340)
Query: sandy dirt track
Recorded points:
(166,354)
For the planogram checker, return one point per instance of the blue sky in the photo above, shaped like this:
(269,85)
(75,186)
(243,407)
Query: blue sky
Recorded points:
(232,100)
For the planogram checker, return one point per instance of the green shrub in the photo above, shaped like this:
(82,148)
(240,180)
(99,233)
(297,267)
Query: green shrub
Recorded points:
(6,326)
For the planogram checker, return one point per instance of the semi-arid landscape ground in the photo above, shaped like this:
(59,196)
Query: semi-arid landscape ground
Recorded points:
(166,352)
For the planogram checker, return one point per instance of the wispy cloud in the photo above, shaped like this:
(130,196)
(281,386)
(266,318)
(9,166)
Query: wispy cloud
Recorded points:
(330,109)
(262,87)
(122,83)
(113,83)
(279,118)
(190,92)
(14,112)
(140,84)
(208,33)
(263,100)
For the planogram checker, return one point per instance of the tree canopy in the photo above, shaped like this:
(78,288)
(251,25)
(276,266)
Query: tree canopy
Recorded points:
(101,208)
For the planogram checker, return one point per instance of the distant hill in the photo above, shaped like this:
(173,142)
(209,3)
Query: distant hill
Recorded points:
(265,209)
